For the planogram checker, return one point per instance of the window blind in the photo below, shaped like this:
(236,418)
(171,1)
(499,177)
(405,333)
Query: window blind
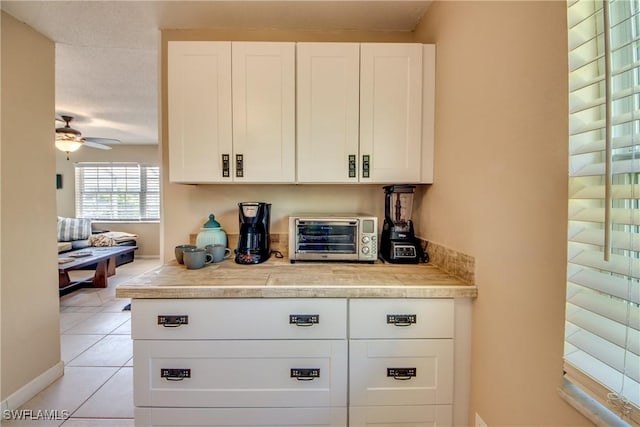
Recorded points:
(117,191)
(602,330)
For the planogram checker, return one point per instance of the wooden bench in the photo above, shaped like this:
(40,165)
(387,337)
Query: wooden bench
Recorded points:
(103,257)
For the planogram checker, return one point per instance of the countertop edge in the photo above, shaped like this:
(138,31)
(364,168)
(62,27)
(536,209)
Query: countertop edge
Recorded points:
(319,291)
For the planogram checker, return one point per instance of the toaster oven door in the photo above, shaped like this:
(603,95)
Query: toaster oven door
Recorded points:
(326,240)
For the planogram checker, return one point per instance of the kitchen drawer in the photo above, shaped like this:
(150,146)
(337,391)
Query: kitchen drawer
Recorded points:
(240,373)
(245,417)
(242,318)
(401,318)
(400,372)
(405,416)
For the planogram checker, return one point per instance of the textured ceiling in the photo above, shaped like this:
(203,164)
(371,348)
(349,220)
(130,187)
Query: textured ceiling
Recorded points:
(107,51)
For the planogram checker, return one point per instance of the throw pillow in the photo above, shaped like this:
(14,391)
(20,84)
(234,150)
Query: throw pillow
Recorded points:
(73,229)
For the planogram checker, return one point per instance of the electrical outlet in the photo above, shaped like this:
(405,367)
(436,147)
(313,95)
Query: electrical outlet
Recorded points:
(480,422)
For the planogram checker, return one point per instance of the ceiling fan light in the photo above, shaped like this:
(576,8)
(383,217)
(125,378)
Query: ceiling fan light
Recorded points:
(68,145)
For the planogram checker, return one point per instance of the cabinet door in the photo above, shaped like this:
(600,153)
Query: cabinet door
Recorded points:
(264,111)
(327,112)
(241,417)
(405,416)
(401,318)
(237,374)
(400,372)
(199,110)
(239,319)
(390,112)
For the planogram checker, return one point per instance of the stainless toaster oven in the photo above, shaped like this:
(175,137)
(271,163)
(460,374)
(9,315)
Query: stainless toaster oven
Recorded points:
(333,238)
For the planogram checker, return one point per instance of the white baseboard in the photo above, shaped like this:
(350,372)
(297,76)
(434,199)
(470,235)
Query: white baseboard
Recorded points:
(148,256)
(33,387)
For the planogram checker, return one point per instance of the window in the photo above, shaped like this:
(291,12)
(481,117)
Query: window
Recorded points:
(117,191)
(602,331)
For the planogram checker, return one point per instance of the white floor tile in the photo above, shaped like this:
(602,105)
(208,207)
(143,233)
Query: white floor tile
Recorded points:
(95,342)
(112,350)
(70,320)
(99,323)
(88,422)
(71,390)
(112,400)
(124,329)
(82,297)
(73,345)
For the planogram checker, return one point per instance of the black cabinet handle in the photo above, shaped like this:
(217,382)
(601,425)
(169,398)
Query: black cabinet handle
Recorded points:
(304,319)
(239,165)
(226,166)
(401,319)
(352,165)
(401,374)
(173,320)
(175,374)
(305,374)
(366,164)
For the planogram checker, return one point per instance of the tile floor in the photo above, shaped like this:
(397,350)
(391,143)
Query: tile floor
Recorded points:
(96,347)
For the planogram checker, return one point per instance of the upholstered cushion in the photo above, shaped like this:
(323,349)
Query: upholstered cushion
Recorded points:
(73,229)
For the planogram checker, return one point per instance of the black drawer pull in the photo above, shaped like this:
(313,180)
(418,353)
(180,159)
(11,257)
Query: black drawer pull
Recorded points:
(401,319)
(401,374)
(175,374)
(304,319)
(305,374)
(173,320)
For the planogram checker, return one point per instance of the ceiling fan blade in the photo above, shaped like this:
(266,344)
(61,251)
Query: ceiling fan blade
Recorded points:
(103,140)
(96,145)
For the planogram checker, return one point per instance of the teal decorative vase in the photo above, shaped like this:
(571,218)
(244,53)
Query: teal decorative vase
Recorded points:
(211,234)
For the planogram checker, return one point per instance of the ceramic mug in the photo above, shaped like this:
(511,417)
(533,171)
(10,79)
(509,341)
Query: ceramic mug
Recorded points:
(218,252)
(179,251)
(195,258)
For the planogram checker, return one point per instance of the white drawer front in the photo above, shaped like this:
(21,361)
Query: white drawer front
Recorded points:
(400,372)
(401,318)
(246,417)
(404,416)
(240,373)
(239,319)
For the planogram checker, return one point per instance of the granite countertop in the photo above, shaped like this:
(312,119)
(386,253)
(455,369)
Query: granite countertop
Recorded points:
(277,278)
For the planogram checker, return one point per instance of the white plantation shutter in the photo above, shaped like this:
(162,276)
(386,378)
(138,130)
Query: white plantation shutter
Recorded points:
(602,333)
(117,191)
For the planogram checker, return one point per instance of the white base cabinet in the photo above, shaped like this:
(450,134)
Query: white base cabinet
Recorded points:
(294,362)
(400,372)
(241,374)
(403,416)
(247,417)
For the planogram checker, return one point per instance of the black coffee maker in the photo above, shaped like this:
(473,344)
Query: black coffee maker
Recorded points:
(254,243)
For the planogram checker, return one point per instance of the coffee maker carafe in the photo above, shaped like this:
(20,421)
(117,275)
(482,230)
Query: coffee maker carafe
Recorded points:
(254,243)
(398,242)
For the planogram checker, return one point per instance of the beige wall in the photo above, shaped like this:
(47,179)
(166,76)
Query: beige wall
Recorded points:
(30,342)
(148,233)
(187,207)
(500,194)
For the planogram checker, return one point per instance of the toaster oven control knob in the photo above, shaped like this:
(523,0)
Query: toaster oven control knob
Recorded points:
(365,239)
(365,250)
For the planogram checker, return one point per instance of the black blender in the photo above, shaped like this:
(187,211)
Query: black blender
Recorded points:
(398,243)
(254,242)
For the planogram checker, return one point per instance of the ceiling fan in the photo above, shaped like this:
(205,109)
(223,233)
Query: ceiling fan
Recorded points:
(69,139)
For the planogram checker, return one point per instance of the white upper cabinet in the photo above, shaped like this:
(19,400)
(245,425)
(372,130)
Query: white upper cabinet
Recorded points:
(199,110)
(328,88)
(263,81)
(263,112)
(391,112)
